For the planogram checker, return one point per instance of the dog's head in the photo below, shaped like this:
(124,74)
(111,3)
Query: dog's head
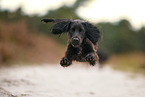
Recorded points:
(77,30)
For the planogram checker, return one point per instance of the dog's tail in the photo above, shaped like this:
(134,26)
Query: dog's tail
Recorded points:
(53,20)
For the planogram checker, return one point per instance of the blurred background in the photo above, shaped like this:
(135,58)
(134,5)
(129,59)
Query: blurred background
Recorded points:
(25,40)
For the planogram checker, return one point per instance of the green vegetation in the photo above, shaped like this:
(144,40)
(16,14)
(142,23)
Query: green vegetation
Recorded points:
(121,38)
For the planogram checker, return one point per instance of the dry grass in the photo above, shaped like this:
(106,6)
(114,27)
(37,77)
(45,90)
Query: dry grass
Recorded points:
(19,44)
(129,62)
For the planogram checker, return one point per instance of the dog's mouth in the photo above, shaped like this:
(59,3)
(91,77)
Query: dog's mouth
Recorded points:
(75,44)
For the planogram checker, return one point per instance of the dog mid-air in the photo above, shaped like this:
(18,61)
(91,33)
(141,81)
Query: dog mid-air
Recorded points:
(82,43)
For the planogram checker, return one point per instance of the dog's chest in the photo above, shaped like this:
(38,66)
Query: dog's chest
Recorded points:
(79,55)
(78,51)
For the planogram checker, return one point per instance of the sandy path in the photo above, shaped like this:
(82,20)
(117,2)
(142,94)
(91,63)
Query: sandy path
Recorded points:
(74,81)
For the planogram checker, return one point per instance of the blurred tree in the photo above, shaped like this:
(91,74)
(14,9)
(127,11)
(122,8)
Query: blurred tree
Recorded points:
(141,39)
(4,15)
(118,38)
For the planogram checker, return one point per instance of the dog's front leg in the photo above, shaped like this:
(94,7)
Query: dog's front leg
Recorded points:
(65,62)
(92,58)
(67,59)
(91,55)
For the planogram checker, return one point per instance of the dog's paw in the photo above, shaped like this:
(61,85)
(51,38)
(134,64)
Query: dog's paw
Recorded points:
(65,62)
(91,59)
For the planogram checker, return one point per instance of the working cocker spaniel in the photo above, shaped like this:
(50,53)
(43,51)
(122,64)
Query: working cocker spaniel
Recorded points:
(82,43)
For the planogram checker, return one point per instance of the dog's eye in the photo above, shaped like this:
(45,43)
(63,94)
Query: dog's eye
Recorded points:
(80,30)
(73,29)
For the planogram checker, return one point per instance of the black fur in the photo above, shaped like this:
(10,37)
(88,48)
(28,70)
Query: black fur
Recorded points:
(83,40)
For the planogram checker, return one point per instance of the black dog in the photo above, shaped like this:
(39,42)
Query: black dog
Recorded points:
(82,43)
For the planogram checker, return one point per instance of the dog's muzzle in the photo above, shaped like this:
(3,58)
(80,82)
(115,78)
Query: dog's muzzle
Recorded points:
(75,41)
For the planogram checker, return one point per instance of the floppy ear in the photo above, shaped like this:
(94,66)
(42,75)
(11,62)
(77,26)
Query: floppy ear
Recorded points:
(60,27)
(92,33)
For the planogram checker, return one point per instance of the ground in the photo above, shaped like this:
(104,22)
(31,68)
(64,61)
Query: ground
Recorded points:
(74,81)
